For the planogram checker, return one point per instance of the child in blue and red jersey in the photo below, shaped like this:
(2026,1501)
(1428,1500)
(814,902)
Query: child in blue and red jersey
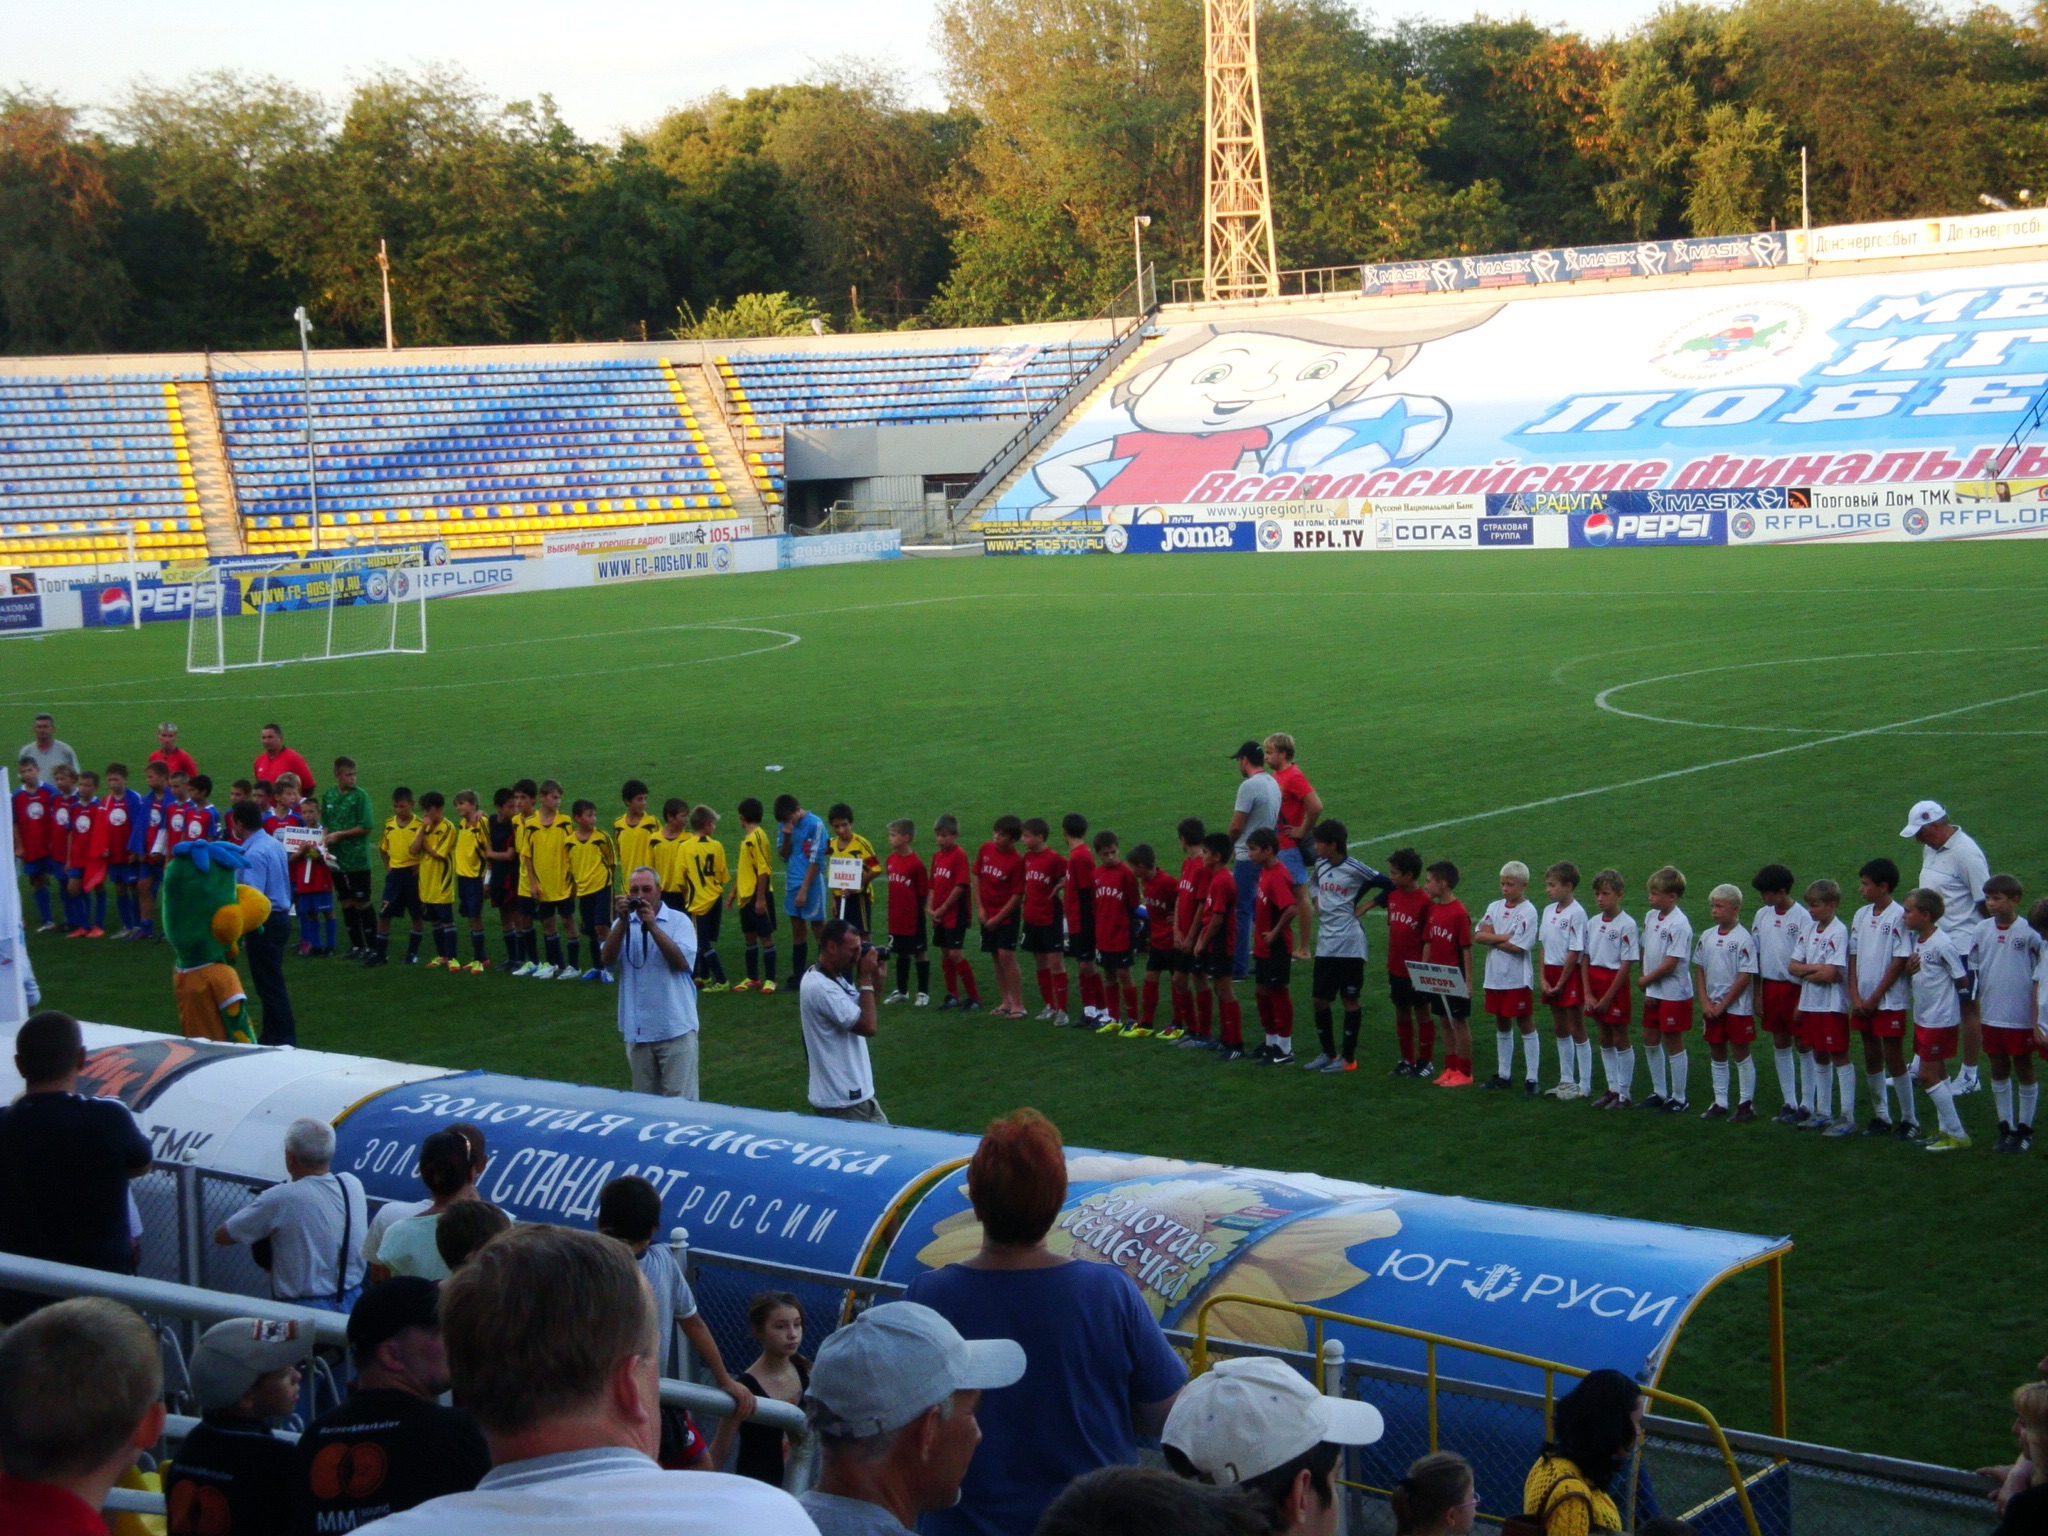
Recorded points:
(85,862)
(123,825)
(34,806)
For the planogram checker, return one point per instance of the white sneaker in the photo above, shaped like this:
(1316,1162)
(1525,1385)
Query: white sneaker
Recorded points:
(544,972)
(896,997)
(1044,1013)
(922,1000)
(1966,1082)
(525,968)
(568,973)
(1060,1020)
(1568,1091)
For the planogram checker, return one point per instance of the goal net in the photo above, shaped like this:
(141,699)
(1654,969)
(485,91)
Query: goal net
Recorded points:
(312,608)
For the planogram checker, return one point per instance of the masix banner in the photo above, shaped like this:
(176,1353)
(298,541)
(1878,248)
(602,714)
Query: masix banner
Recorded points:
(1856,380)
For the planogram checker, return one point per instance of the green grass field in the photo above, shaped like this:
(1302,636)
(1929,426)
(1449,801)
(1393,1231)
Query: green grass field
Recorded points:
(1772,704)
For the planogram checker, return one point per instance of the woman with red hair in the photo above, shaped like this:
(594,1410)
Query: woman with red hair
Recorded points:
(1098,1372)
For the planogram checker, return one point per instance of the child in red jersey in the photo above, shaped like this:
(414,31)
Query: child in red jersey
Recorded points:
(1187,922)
(1407,906)
(1447,940)
(122,830)
(909,889)
(950,906)
(156,798)
(34,814)
(998,896)
(1160,892)
(1215,948)
(1274,914)
(1116,906)
(1080,901)
(1045,872)
(85,862)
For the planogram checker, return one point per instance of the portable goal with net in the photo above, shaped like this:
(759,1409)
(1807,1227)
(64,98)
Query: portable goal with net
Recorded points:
(312,608)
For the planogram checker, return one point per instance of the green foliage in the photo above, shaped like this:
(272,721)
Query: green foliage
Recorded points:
(61,288)
(750,314)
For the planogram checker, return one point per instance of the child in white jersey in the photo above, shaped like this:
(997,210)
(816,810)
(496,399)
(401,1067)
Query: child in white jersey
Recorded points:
(1563,935)
(2003,953)
(1667,991)
(1879,946)
(1508,932)
(1612,945)
(1726,957)
(1779,923)
(1820,961)
(1934,970)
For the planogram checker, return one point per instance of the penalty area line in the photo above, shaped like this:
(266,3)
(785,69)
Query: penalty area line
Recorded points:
(1680,773)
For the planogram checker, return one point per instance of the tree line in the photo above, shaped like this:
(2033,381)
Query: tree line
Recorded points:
(198,215)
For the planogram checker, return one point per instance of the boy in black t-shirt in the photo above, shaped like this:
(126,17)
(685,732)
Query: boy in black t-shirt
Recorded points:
(232,1474)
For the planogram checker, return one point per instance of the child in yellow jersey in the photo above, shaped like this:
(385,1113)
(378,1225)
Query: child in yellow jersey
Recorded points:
(521,958)
(665,856)
(753,893)
(591,862)
(849,844)
(633,833)
(434,846)
(546,864)
(472,851)
(401,881)
(706,858)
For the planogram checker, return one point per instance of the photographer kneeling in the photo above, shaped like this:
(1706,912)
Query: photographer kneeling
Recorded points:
(838,1005)
(651,949)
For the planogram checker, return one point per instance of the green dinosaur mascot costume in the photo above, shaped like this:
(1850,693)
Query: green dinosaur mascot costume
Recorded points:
(205,915)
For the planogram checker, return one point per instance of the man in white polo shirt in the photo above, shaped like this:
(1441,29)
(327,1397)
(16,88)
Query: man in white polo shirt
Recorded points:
(651,948)
(1954,867)
(1255,1422)
(837,1003)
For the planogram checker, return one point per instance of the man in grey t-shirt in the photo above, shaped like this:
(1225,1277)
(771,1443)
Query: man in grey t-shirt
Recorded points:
(1258,805)
(47,750)
(837,1004)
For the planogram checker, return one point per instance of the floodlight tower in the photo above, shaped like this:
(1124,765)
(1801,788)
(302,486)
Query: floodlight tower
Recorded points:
(1237,213)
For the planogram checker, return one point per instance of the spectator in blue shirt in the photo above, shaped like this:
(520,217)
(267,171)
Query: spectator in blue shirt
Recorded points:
(803,885)
(1099,1373)
(269,872)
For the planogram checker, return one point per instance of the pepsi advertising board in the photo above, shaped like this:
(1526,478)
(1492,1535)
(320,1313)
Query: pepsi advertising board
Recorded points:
(112,605)
(1604,530)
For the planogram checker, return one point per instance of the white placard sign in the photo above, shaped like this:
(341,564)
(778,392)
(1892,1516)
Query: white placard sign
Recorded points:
(1438,980)
(842,872)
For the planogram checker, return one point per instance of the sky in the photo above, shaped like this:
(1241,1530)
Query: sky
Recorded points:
(611,65)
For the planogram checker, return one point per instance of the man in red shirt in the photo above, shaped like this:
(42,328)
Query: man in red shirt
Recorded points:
(1115,900)
(1274,912)
(174,757)
(1187,922)
(1300,809)
(1080,896)
(1407,908)
(951,905)
(1215,946)
(81,1388)
(909,887)
(277,758)
(998,894)
(1045,872)
(1447,940)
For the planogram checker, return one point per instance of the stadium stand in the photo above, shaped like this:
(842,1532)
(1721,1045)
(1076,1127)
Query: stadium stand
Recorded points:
(83,460)
(904,386)
(485,456)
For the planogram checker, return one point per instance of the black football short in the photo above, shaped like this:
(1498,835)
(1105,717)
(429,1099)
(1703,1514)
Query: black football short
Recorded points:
(1113,959)
(1339,976)
(1157,960)
(949,936)
(401,894)
(1044,939)
(594,912)
(757,924)
(1081,937)
(999,938)
(352,886)
(1402,992)
(911,943)
(1273,970)
(1216,962)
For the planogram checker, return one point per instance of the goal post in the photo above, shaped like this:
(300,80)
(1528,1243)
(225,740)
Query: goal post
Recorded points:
(311,608)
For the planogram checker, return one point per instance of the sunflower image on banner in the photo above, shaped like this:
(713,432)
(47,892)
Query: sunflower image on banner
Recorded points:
(1182,1230)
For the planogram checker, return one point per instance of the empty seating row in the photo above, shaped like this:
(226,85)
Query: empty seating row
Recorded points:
(902,386)
(85,459)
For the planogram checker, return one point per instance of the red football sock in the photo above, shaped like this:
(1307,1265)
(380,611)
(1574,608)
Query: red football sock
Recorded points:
(947,965)
(1233,1023)
(1151,1004)
(1047,989)
(1405,1029)
(967,978)
(1131,1001)
(1091,991)
(1283,1014)
(1264,1003)
(1204,1013)
(1425,1031)
(1059,981)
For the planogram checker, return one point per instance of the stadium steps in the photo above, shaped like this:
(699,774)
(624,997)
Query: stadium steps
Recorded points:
(701,407)
(988,496)
(210,489)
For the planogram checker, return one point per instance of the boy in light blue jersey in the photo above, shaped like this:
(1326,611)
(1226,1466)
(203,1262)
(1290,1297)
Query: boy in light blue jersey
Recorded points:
(803,885)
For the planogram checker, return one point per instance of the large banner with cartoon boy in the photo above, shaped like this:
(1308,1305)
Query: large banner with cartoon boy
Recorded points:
(1833,381)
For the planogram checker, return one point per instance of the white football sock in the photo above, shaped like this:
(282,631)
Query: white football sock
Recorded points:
(1880,1105)
(1787,1061)
(1944,1095)
(1654,1055)
(1745,1077)
(2030,1095)
(1968,1075)
(1810,1074)
(1718,1070)
(1845,1079)
(2001,1095)
(1532,1055)
(1504,1052)
(1820,1087)
(1625,1057)
(1584,1051)
(1679,1065)
(1567,1062)
(1902,1085)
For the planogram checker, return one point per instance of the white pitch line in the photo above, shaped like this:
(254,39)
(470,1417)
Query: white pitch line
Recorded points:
(1680,773)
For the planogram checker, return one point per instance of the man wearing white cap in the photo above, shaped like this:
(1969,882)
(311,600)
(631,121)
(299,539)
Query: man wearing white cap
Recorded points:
(1256,1422)
(232,1473)
(1954,867)
(892,1398)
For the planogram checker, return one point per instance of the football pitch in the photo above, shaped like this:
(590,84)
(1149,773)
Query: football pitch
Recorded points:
(1716,709)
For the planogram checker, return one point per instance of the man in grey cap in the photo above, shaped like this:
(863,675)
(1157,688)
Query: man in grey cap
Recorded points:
(1256,1423)
(1955,869)
(1257,805)
(892,1399)
(232,1473)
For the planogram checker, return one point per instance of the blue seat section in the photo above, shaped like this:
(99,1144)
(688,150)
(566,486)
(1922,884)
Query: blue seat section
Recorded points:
(442,440)
(904,386)
(84,454)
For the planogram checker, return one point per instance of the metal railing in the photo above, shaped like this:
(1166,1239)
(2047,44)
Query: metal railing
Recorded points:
(1294,283)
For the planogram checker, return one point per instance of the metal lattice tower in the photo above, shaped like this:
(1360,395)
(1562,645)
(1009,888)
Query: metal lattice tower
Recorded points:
(1237,213)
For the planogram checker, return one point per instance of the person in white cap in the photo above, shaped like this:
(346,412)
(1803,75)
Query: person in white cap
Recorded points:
(232,1473)
(1256,1423)
(1954,867)
(892,1398)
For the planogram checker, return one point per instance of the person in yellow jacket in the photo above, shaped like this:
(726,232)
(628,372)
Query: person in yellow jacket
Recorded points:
(704,858)
(665,855)
(1597,1426)
(593,863)
(753,893)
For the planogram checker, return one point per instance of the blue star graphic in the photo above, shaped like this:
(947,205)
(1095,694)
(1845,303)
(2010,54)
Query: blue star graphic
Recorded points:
(1385,431)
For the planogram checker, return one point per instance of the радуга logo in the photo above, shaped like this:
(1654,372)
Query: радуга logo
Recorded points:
(1114,538)
(1914,522)
(1742,525)
(1269,534)
(1599,528)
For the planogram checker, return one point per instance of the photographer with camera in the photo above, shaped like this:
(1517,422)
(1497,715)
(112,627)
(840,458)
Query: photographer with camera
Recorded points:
(838,1005)
(652,949)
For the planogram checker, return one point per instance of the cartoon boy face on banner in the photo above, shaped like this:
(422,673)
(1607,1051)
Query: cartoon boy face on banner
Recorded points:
(1252,397)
